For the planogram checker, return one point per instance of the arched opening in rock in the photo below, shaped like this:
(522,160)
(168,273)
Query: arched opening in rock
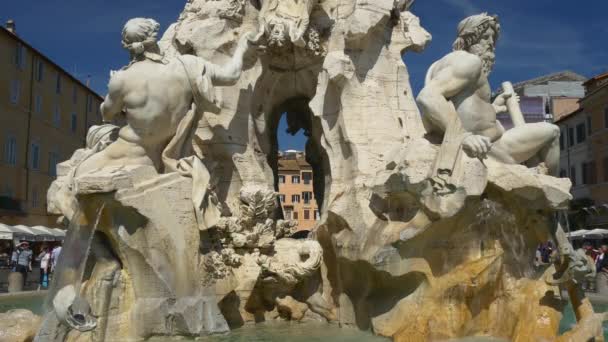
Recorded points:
(299,121)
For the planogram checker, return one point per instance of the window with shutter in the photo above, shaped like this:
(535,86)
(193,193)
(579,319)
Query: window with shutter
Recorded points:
(35,162)
(15,91)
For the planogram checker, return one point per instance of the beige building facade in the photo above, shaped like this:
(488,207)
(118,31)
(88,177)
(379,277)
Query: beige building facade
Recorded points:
(595,105)
(295,180)
(576,157)
(44,115)
(584,150)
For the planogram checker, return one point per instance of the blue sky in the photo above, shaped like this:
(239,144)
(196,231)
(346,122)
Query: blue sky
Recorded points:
(538,36)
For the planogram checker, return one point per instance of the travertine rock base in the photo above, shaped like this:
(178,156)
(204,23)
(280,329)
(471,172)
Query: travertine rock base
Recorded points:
(18,325)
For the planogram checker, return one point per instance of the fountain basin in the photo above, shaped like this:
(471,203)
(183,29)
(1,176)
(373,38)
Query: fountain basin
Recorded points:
(276,331)
(31,300)
(288,331)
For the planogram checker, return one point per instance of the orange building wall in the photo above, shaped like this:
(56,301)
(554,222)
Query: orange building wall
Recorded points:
(563,105)
(289,188)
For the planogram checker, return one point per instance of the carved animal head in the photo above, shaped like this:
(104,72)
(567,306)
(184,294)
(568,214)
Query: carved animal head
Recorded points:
(278,35)
(416,36)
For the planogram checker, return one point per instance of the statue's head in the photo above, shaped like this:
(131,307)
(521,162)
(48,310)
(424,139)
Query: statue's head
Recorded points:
(478,34)
(139,35)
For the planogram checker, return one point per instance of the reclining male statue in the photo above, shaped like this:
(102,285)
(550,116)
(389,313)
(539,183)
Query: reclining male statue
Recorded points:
(457,94)
(455,103)
(156,94)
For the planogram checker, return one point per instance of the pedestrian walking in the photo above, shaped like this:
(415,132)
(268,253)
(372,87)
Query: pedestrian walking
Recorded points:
(601,284)
(23,260)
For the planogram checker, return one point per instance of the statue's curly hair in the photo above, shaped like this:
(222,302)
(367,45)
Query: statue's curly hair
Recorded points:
(139,33)
(472,29)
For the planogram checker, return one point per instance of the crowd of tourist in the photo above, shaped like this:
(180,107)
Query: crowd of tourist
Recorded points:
(544,253)
(23,257)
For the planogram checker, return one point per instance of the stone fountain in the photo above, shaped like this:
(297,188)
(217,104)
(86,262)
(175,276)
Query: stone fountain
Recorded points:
(429,223)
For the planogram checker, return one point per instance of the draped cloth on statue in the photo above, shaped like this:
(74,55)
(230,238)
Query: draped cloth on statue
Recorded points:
(179,155)
(447,169)
(447,179)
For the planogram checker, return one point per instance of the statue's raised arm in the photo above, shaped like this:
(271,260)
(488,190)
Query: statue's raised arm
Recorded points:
(229,73)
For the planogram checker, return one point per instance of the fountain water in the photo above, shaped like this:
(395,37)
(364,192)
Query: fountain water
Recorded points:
(64,303)
(74,255)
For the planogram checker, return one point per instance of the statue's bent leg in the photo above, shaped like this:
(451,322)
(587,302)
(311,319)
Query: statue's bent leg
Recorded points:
(539,139)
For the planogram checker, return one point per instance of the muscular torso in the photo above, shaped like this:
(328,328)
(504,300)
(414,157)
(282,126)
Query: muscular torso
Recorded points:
(156,97)
(473,103)
(475,109)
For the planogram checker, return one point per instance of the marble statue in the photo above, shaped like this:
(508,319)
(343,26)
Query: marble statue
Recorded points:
(122,195)
(457,94)
(155,94)
(60,199)
(428,222)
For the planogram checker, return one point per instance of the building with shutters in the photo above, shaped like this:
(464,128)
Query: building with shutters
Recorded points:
(44,115)
(576,157)
(295,181)
(584,149)
(595,105)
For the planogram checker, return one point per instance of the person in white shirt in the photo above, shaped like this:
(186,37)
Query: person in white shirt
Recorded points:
(54,257)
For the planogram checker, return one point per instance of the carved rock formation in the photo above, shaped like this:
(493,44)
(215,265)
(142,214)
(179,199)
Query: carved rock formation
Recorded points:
(18,325)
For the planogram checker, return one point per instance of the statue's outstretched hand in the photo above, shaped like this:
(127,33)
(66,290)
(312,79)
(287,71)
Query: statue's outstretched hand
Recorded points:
(515,96)
(477,146)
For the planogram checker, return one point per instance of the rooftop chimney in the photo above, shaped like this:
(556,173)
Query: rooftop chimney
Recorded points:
(10,26)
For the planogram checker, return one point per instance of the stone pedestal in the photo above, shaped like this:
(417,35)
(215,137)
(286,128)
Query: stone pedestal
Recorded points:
(15,282)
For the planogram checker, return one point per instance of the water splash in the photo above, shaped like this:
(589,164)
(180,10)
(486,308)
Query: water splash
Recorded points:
(74,255)
(501,224)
